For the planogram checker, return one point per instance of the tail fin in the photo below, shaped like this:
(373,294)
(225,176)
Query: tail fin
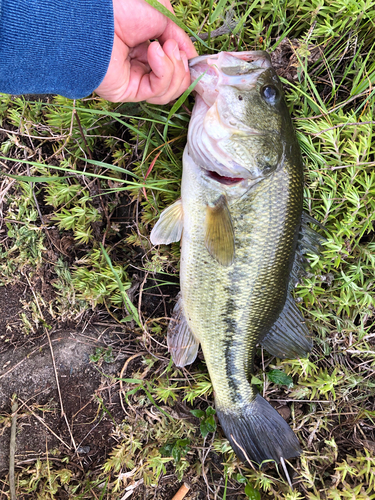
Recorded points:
(258,432)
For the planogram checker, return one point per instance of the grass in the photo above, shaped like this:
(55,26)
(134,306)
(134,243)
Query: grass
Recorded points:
(128,162)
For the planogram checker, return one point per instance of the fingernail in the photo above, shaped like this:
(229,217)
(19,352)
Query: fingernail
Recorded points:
(160,51)
(185,61)
(176,53)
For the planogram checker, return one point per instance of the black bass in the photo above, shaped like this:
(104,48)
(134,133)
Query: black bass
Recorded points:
(239,217)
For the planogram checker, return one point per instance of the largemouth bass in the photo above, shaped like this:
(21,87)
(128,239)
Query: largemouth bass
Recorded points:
(239,217)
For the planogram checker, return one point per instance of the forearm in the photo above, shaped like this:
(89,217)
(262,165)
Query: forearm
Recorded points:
(54,46)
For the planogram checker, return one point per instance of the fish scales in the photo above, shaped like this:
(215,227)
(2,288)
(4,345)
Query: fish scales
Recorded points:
(238,219)
(239,301)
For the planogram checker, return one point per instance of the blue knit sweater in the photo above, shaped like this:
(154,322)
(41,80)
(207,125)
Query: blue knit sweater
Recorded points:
(54,46)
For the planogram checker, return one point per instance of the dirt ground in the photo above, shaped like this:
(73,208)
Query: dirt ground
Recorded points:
(27,370)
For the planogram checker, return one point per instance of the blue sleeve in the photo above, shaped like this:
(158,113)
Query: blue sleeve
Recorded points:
(54,46)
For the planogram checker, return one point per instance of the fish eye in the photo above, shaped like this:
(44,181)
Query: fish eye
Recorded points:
(240,98)
(269,93)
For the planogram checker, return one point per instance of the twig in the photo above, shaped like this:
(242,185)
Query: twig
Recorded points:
(93,492)
(51,459)
(12,449)
(181,492)
(110,313)
(39,348)
(63,414)
(4,188)
(301,400)
(44,138)
(161,146)
(55,370)
(362,163)
(228,26)
(22,360)
(45,425)
(333,109)
(244,452)
(314,431)
(36,203)
(50,346)
(43,225)
(61,148)
(203,457)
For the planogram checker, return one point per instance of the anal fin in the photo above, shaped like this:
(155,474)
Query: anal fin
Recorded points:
(182,344)
(169,227)
(288,337)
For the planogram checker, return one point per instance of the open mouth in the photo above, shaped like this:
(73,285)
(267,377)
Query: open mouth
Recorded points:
(228,181)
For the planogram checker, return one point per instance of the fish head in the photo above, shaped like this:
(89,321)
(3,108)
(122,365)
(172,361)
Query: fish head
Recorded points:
(240,125)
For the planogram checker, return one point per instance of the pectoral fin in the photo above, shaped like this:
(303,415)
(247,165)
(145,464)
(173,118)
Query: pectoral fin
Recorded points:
(169,227)
(182,344)
(219,233)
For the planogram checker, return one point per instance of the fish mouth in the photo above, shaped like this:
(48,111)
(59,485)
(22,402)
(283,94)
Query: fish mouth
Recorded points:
(235,69)
(223,179)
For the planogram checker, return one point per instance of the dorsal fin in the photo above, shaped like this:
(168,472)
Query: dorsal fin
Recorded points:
(169,227)
(219,233)
(308,241)
(288,337)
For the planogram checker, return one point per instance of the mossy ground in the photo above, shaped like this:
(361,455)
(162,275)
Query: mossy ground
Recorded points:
(106,172)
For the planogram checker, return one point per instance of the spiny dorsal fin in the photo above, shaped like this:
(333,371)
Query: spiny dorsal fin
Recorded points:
(169,227)
(309,241)
(219,233)
(182,344)
(288,336)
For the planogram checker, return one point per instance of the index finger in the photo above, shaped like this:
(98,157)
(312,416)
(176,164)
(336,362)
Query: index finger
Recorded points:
(174,32)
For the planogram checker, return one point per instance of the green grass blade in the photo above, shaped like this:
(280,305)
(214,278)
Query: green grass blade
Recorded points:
(149,184)
(130,380)
(179,103)
(110,166)
(27,178)
(217,12)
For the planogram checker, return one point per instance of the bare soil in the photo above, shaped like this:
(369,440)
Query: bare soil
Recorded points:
(28,370)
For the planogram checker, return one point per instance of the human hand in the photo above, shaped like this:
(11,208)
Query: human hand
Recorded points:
(155,72)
